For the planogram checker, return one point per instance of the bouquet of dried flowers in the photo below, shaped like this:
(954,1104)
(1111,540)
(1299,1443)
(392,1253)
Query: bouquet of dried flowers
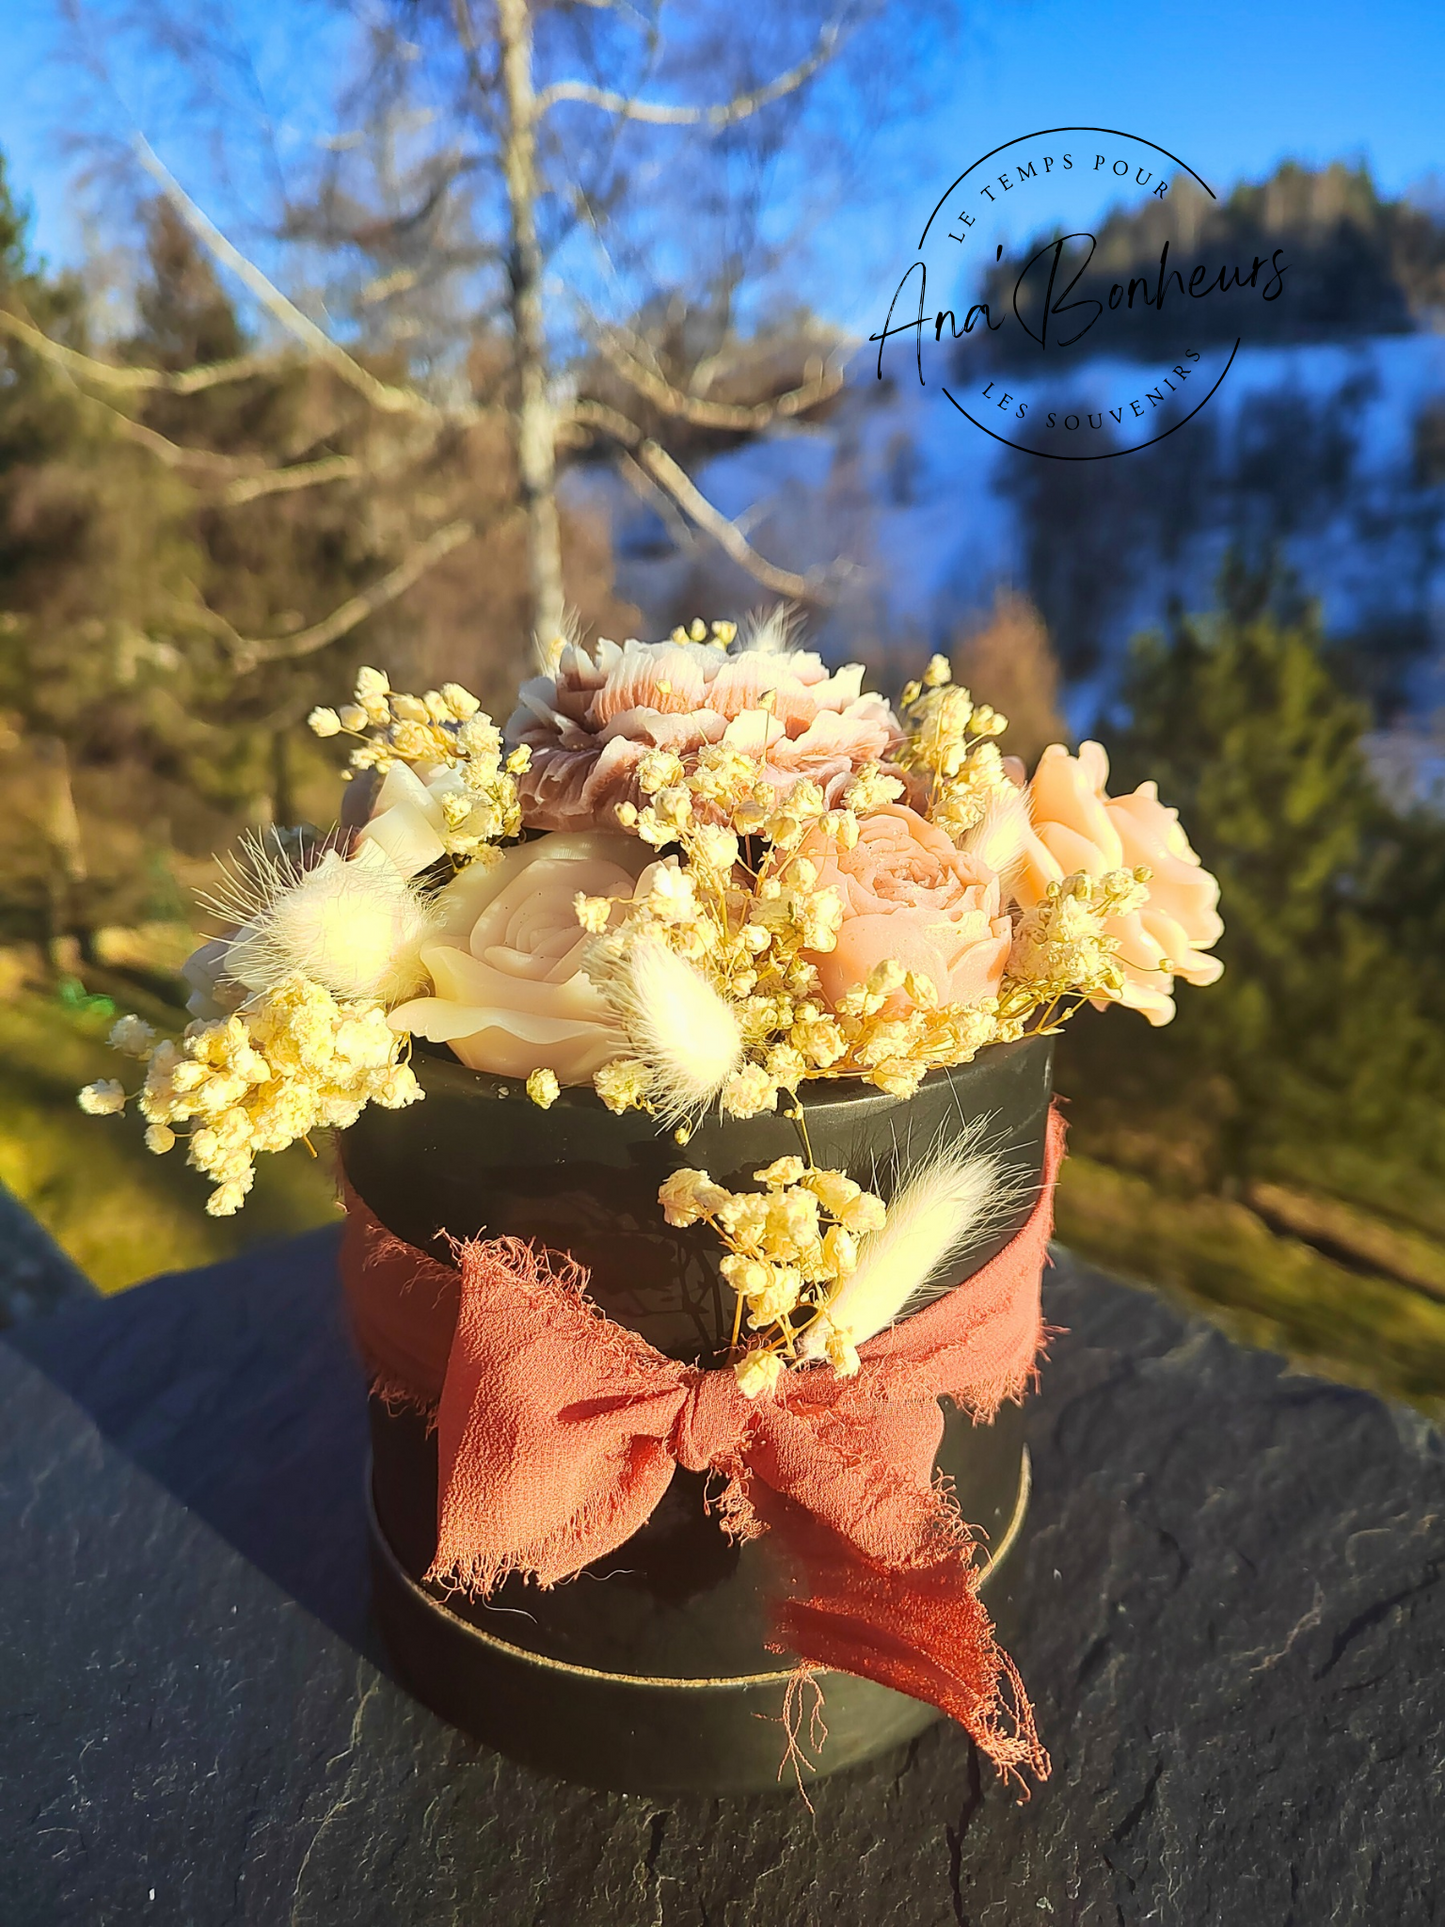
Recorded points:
(704,872)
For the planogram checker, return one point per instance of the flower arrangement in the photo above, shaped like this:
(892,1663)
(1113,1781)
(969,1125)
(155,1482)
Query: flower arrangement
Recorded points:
(692,874)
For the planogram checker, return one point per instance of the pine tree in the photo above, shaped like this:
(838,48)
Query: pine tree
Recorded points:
(140,744)
(1321,1028)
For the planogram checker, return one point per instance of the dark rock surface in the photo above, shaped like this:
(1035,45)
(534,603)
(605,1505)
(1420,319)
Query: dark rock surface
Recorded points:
(1230,1616)
(35,1274)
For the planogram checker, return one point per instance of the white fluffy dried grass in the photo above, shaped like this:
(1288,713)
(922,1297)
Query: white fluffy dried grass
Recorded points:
(770,632)
(997,839)
(356,927)
(947,1204)
(547,650)
(677,1024)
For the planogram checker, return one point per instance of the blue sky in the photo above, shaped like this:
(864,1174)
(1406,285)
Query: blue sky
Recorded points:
(1233,86)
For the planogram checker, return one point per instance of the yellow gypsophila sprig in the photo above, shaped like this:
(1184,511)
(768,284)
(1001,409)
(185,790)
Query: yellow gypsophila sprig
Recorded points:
(740,905)
(747,912)
(718,634)
(1063,954)
(290,1062)
(951,742)
(892,1030)
(789,1247)
(446,736)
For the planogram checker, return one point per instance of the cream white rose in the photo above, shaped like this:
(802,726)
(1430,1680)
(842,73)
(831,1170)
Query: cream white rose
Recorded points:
(510,995)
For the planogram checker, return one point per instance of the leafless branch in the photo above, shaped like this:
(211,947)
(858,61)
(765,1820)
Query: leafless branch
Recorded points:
(72,367)
(325,468)
(717,414)
(283,481)
(250,653)
(658,465)
(251,480)
(173,454)
(482,83)
(646,490)
(188,381)
(721,114)
(197,613)
(390,400)
(245,486)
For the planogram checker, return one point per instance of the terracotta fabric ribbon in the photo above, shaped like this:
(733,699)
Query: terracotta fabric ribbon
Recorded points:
(558,1431)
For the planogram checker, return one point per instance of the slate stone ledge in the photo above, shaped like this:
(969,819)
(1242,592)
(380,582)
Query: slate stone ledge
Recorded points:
(36,1277)
(1230,1617)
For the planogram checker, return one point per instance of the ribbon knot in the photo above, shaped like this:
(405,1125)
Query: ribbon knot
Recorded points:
(713,1422)
(558,1432)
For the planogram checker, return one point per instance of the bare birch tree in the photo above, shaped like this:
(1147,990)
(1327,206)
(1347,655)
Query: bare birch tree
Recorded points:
(564,172)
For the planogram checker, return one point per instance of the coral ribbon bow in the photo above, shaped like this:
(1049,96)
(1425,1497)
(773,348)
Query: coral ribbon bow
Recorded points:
(558,1431)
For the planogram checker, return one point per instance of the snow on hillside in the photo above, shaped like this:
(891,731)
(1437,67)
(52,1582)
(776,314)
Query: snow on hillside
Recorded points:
(927,517)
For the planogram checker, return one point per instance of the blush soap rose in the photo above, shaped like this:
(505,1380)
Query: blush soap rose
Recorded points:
(1077,825)
(910,897)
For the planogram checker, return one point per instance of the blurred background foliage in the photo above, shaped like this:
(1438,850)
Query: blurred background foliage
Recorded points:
(167,612)
(1279,1148)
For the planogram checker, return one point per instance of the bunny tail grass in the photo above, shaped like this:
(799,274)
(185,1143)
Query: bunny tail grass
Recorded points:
(997,839)
(768,632)
(946,1204)
(677,1024)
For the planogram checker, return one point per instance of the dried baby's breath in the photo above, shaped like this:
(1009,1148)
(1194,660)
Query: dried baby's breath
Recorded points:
(292,1061)
(445,730)
(790,1248)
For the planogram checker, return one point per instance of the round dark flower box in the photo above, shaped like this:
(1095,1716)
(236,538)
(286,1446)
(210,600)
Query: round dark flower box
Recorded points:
(650,1671)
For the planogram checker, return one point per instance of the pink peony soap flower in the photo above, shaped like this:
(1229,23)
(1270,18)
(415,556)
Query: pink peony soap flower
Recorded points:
(911,897)
(1077,825)
(590,724)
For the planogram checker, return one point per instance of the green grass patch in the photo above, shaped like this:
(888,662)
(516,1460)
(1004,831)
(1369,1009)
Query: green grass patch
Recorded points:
(1265,1289)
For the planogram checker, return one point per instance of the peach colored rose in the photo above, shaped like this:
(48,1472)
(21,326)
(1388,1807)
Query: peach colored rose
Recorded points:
(589,725)
(510,994)
(1077,825)
(909,895)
